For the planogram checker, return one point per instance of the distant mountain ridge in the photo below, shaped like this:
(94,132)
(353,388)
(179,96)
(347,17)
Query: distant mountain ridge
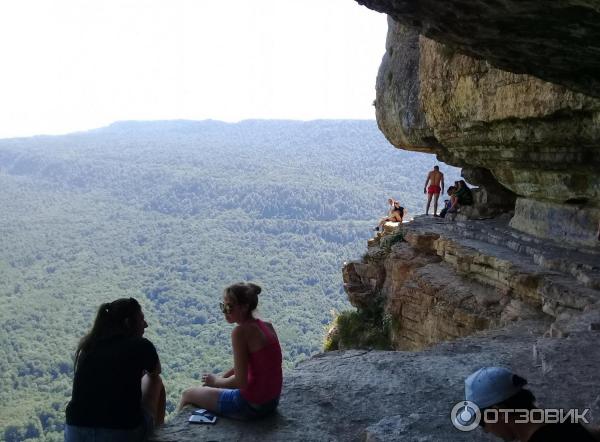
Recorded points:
(202,154)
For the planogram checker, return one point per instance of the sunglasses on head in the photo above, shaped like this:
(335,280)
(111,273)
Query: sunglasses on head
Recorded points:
(225,307)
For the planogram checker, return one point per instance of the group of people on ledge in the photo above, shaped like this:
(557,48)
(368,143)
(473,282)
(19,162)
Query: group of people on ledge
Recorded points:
(460,194)
(118,394)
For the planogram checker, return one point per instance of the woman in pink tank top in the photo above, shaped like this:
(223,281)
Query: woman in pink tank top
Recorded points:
(251,389)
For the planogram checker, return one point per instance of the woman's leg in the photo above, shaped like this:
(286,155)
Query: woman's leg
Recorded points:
(380,224)
(453,204)
(396,217)
(154,397)
(203,397)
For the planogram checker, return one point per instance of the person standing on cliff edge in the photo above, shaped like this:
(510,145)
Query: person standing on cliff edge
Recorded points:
(435,179)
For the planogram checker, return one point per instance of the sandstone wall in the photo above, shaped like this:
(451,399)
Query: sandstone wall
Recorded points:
(450,279)
(539,140)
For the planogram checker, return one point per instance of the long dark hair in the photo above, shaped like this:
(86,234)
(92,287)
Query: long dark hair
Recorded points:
(113,319)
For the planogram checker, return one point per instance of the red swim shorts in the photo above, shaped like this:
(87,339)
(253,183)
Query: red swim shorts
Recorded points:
(434,189)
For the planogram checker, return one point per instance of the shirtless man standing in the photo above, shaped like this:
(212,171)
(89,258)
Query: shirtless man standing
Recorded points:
(435,179)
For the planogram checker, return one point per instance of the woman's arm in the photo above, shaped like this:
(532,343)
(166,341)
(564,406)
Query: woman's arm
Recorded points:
(239,377)
(149,358)
(453,202)
(156,371)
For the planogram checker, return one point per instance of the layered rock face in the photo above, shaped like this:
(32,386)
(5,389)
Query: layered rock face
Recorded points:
(468,81)
(539,141)
(451,279)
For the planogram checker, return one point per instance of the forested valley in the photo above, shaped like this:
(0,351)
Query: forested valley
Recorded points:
(170,213)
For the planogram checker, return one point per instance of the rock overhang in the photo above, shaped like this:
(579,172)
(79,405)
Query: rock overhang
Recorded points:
(540,141)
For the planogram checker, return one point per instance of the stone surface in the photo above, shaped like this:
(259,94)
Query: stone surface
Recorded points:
(398,102)
(557,41)
(490,198)
(390,396)
(449,280)
(562,222)
(532,139)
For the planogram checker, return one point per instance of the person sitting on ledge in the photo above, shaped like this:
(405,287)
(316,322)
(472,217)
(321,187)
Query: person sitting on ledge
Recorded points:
(462,196)
(498,388)
(118,395)
(396,214)
(251,389)
(447,203)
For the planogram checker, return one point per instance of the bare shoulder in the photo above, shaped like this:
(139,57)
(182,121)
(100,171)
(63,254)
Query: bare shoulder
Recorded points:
(240,331)
(270,326)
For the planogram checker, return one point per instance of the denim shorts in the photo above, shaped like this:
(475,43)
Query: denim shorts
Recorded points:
(140,433)
(233,405)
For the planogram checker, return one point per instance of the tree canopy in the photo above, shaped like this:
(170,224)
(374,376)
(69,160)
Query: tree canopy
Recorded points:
(171,213)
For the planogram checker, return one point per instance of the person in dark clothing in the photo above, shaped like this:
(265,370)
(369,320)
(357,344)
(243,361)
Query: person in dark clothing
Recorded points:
(462,196)
(497,387)
(118,394)
(447,203)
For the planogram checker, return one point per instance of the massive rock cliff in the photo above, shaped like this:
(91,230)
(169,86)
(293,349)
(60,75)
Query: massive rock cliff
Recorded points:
(530,139)
(450,279)
(491,87)
(503,90)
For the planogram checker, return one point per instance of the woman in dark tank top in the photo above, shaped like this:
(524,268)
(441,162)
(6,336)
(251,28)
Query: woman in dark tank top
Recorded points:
(118,395)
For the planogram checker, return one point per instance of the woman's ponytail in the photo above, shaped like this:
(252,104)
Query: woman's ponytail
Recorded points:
(111,320)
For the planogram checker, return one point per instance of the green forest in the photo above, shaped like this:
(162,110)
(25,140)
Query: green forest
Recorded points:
(170,213)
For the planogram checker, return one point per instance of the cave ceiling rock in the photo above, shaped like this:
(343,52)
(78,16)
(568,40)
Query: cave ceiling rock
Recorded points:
(556,41)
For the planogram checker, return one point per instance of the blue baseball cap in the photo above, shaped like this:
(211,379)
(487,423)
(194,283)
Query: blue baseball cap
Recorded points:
(491,385)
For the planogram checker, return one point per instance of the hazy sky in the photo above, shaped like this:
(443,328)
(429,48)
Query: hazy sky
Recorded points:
(76,64)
